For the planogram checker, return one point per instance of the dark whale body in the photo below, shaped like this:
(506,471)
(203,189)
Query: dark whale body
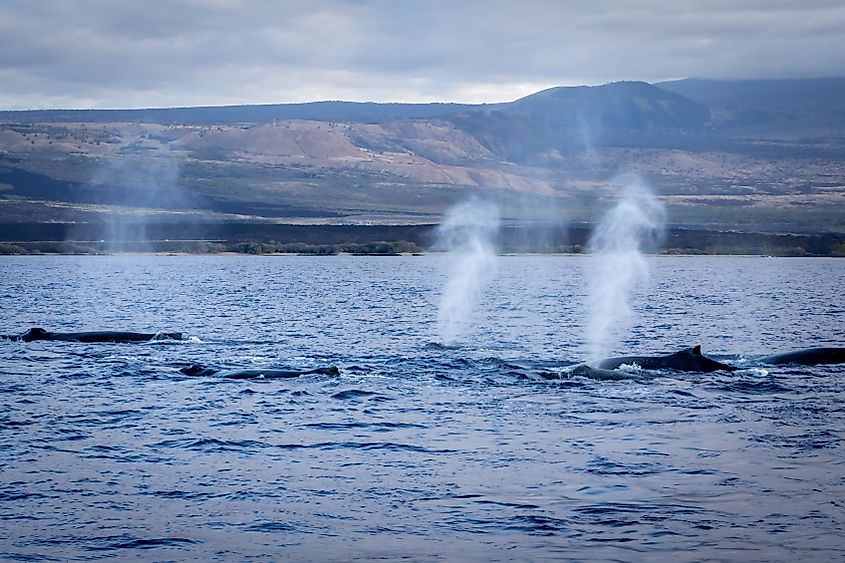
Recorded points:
(690,359)
(200,371)
(808,357)
(34,334)
(583,370)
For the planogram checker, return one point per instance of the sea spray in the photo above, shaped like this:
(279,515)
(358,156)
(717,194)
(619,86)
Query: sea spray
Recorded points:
(618,266)
(468,233)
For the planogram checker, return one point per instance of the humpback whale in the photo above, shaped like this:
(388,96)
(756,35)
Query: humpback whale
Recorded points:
(200,371)
(808,357)
(690,359)
(93,336)
(583,370)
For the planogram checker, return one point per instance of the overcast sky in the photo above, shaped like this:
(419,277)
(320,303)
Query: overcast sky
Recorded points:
(153,53)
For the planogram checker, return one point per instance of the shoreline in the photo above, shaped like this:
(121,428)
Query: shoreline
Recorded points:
(318,240)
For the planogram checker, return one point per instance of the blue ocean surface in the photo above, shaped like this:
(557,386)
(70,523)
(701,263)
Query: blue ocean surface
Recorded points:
(416,451)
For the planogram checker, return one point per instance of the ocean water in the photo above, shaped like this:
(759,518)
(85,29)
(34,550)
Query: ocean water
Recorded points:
(415,451)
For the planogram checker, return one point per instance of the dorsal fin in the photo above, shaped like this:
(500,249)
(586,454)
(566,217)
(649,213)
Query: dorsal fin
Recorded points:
(697,350)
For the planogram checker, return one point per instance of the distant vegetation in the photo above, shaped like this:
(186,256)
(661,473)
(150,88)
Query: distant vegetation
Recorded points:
(316,240)
(382,248)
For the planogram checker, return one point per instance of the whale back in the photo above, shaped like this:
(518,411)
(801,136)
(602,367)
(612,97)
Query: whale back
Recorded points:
(645,362)
(197,370)
(690,359)
(808,357)
(583,370)
(277,373)
(35,333)
(38,333)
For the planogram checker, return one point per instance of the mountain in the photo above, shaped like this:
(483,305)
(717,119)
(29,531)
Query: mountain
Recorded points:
(621,105)
(690,105)
(772,94)
(627,106)
(364,112)
(793,105)
(717,151)
(563,120)
(528,130)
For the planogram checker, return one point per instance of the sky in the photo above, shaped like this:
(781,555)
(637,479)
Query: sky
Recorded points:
(157,53)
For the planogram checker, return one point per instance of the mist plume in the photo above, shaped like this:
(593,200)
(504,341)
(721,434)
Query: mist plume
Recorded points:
(618,266)
(468,233)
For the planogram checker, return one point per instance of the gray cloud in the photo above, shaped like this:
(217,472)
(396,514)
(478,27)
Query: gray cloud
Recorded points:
(101,53)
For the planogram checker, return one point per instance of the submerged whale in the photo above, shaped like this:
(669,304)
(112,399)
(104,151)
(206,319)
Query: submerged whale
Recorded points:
(690,359)
(808,357)
(94,336)
(200,371)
